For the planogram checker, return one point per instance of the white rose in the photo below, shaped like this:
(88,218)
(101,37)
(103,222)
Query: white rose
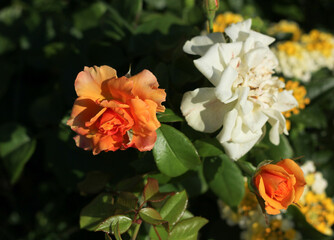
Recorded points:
(244,95)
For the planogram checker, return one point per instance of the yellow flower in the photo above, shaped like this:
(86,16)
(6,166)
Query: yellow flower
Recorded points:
(319,41)
(299,92)
(291,48)
(274,230)
(319,211)
(224,20)
(286,27)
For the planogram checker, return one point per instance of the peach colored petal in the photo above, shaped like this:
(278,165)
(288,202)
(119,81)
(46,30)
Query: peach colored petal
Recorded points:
(89,82)
(113,104)
(144,143)
(100,74)
(145,86)
(83,142)
(83,111)
(120,88)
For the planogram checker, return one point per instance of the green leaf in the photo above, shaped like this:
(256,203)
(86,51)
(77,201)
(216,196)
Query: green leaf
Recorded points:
(187,229)
(97,211)
(308,231)
(151,188)
(151,216)
(16,148)
(208,147)
(94,182)
(169,116)
(110,224)
(174,208)
(173,152)
(224,179)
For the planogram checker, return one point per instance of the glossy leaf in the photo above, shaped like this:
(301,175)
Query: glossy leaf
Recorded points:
(120,222)
(151,216)
(173,152)
(151,188)
(174,208)
(97,211)
(224,179)
(16,148)
(187,229)
(169,116)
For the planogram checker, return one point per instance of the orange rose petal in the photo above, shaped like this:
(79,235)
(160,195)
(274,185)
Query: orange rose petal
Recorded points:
(144,115)
(144,143)
(272,211)
(94,119)
(271,182)
(293,168)
(264,195)
(289,198)
(145,86)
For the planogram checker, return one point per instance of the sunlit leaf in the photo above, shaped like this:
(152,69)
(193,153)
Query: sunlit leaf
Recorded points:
(187,229)
(121,222)
(151,216)
(173,152)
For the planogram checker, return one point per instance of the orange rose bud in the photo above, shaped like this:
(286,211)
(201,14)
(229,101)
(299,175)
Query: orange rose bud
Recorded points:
(279,185)
(114,113)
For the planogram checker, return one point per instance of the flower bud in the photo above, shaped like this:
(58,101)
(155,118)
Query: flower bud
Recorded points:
(279,185)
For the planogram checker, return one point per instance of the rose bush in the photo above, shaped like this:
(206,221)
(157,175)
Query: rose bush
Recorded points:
(279,185)
(114,113)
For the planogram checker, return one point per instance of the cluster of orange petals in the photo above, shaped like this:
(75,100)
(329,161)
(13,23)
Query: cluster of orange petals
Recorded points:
(114,113)
(280,185)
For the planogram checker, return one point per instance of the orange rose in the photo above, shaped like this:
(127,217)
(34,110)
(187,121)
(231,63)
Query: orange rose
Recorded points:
(113,113)
(280,185)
